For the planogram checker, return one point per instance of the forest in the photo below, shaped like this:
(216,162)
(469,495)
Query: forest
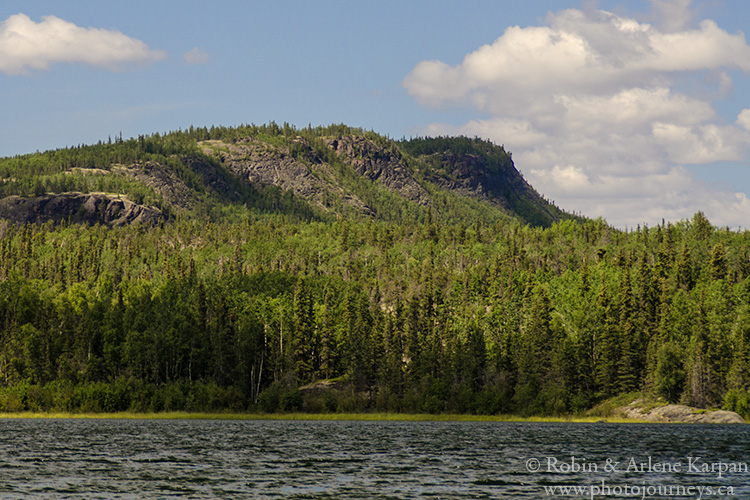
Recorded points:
(274,310)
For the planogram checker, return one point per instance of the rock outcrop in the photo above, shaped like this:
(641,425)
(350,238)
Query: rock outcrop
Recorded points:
(261,163)
(299,170)
(679,414)
(489,179)
(90,208)
(161,179)
(379,164)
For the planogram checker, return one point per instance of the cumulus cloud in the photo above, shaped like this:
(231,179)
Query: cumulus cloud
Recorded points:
(743,119)
(590,105)
(197,56)
(26,45)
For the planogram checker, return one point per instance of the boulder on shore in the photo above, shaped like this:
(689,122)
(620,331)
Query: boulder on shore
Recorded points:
(679,414)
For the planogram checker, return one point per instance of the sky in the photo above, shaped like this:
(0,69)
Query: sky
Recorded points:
(636,111)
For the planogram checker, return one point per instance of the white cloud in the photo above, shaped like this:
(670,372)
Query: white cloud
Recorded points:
(25,45)
(197,56)
(743,119)
(590,105)
(701,145)
(648,198)
(523,132)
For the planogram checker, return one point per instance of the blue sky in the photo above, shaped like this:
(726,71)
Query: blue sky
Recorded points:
(631,137)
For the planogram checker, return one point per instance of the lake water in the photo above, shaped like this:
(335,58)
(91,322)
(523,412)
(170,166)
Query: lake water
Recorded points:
(145,459)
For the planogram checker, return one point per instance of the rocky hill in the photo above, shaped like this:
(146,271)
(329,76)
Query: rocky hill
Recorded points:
(322,173)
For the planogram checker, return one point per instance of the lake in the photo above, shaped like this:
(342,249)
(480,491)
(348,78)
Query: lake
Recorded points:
(164,459)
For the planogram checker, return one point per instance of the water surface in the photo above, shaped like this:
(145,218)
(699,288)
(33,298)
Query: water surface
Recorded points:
(164,459)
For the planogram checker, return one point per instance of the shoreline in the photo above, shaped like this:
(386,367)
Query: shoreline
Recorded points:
(393,417)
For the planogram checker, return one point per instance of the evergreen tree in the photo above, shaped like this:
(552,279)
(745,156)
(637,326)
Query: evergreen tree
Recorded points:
(705,379)
(305,340)
(539,387)
(718,262)
(608,346)
(685,273)
(670,372)
(630,362)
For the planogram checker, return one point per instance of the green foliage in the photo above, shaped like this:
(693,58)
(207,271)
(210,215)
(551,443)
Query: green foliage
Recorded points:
(738,401)
(269,304)
(184,175)
(670,372)
(481,165)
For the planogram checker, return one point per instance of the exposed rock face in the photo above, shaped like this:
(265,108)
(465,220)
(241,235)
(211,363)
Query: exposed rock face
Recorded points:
(680,414)
(379,164)
(264,164)
(78,207)
(314,174)
(163,180)
(464,174)
(261,163)
(175,192)
(301,170)
(472,175)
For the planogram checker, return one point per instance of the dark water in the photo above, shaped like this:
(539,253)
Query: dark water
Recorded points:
(356,460)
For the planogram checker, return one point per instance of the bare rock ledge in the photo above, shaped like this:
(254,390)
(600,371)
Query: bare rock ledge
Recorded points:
(679,414)
(113,210)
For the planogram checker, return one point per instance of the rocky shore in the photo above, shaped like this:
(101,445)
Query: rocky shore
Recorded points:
(678,414)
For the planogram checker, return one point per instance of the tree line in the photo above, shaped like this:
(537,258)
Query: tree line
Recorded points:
(427,316)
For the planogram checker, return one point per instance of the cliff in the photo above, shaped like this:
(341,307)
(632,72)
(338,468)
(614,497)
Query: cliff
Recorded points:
(91,208)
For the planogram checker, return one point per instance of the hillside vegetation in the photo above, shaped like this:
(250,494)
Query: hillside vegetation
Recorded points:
(377,276)
(322,173)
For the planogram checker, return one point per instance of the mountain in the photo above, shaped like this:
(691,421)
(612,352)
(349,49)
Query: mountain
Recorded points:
(321,173)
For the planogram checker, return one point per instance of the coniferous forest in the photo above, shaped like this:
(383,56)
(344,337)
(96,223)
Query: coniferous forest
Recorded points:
(275,304)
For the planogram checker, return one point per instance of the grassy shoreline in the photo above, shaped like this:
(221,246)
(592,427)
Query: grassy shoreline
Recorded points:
(315,416)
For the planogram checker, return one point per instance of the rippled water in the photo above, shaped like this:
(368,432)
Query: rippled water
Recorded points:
(325,460)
